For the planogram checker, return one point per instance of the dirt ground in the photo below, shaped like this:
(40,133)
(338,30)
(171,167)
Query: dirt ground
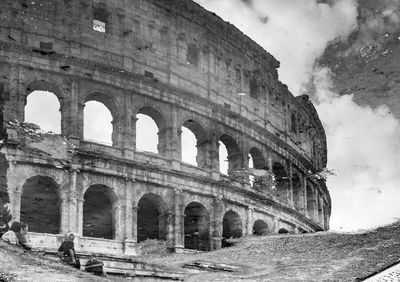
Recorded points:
(324,256)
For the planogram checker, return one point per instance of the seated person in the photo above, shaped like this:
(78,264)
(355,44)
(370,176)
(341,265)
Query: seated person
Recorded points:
(21,236)
(67,252)
(10,236)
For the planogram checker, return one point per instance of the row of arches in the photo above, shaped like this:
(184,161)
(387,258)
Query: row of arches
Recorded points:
(99,127)
(197,146)
(41,209)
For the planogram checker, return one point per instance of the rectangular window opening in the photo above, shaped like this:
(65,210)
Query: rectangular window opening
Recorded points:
(254,89)
(238,75)
(192,56)
(100,20)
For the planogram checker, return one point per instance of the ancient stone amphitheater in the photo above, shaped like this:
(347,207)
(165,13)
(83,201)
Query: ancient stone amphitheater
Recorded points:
(183,66)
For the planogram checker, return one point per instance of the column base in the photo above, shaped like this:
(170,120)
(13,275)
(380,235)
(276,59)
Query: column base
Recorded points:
(130,248)
(179,249)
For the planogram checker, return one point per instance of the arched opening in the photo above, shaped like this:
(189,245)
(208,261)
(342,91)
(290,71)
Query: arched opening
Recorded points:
(310,202)
(189,146)
(297,199)
(197,227)
(256,161)
(235,158)
(260,227)
(251,176)
(223,158)
(151,218)
(40,205)
(98,212)
(283,231)
(281,181)
(43,109)
(146,134)
(231,227)
(193,144)
(97,123)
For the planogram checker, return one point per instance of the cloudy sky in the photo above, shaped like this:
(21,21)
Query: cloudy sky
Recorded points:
(364,191)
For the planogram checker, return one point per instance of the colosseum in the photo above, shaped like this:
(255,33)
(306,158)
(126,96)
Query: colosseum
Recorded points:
(183,67)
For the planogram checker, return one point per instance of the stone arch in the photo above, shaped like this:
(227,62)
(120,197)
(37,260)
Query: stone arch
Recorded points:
(283,231)
(44,85)
(52,88)
(99,212)
(107,100)
(281,179)
(231,227)
(159,119)
(258,158)
(41,205)
(201,137)
(297,188)
(258,162)
(235,157)
(197,227)
(152,218)
(260,227)
(111,105)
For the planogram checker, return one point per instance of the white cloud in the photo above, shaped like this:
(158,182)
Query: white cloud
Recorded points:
(365,151)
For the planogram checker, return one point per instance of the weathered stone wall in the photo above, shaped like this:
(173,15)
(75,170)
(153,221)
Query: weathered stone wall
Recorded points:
(181,65)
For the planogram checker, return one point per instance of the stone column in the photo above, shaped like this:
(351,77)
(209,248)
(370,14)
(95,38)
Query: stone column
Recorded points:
(119,217)
(178,221)
(321,209)
(170,230)
(214,157)
(290,192)
(130,239)
(79,222)
(216,235)
(79,119)
(118,127)
(128,136)
(12,107)
(270,164)
(129,224)
(275,227)
(69,213)
(134,223)
(16,202)
(315,202)
(70,113)
(304,192)
(249,229)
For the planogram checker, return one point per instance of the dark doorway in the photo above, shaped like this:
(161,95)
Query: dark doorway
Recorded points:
(197,235)
(152,218)
(40,205)
(98,212)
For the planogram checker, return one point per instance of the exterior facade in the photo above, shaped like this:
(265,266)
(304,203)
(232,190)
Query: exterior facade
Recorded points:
(184,67)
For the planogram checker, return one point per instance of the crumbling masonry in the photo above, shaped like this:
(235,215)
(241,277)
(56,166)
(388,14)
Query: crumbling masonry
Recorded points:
(182,66)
